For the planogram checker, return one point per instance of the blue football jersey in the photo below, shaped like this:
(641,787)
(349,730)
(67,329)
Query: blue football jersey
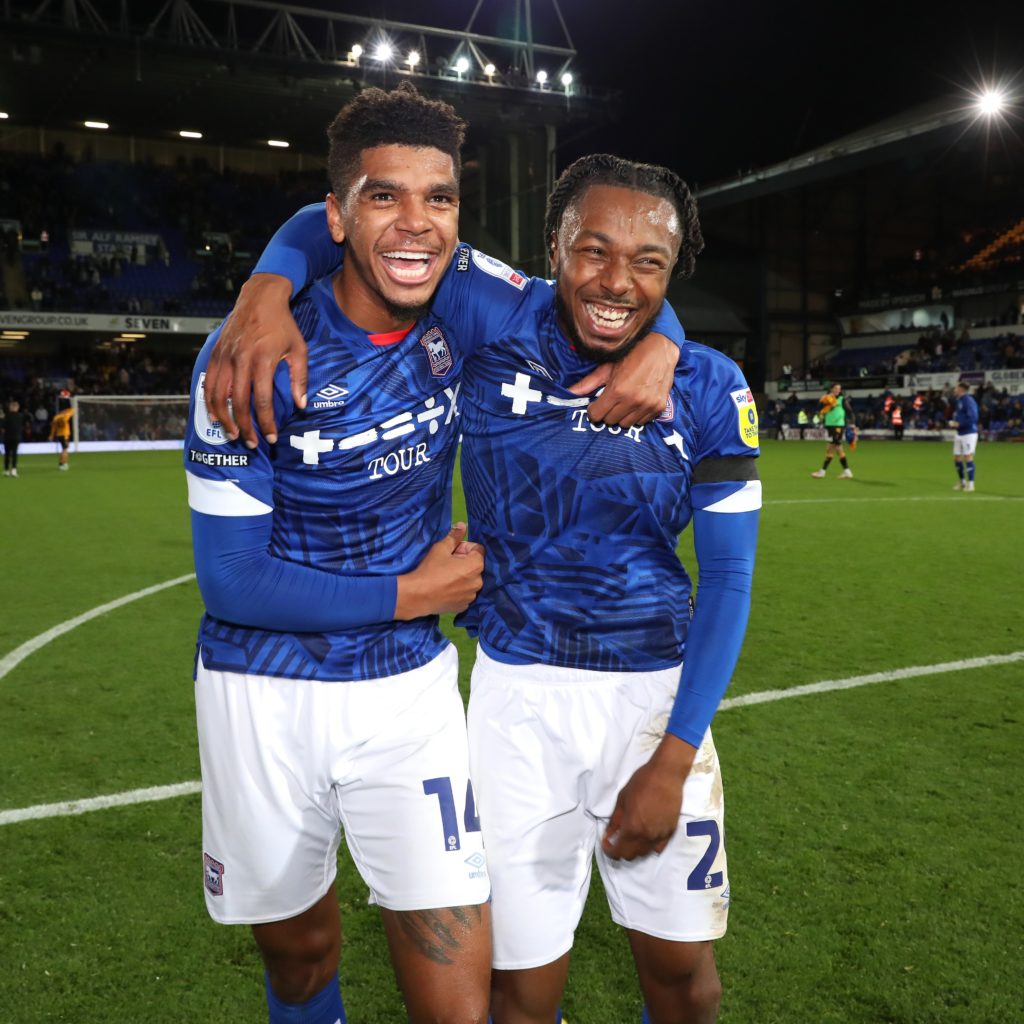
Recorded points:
(359,483)
(580,520)
(966,415)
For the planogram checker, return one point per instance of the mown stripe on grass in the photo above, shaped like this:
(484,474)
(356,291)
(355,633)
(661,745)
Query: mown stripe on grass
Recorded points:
(19,654)
(139,796)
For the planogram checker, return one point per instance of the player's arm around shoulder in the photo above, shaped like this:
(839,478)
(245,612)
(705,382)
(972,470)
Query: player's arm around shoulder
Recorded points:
(482,299)
(260,332)
(636,389)
(219,468)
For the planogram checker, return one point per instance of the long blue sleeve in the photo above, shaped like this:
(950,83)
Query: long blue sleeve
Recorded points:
(242,582)
(725,520)
(302,249)
(667,323)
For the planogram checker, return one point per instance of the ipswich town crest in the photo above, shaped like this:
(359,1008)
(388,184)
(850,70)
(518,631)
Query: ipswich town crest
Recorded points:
(440,355)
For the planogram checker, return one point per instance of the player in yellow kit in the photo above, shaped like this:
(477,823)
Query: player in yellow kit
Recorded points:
(60,431)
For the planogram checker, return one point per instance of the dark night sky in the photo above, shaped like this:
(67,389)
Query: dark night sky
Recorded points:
(714,87)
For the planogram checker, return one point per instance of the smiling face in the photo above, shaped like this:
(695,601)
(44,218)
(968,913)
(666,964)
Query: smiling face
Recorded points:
(613,259)
(399,220)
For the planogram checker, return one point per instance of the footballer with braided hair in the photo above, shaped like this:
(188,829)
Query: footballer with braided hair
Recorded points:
(605,169)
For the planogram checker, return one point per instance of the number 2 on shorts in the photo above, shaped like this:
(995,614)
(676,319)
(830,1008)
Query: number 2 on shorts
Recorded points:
(442,788)
(699,877)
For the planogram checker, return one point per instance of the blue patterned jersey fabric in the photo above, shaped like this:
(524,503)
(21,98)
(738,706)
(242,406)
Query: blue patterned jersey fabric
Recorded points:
(359,482)
(581,520)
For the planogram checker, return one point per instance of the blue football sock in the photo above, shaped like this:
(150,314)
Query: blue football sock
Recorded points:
(324,1008)
(960,470)
(970,470)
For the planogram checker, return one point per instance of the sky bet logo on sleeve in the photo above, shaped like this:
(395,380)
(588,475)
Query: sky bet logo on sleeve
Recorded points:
(747,412)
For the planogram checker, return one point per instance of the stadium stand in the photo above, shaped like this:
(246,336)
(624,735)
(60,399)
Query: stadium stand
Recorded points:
(114,237)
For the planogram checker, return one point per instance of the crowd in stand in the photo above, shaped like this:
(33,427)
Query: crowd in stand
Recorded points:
(124,370)
(941,350)
(182,273)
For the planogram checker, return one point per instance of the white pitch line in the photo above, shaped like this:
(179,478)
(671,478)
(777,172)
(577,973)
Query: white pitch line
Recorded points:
(872,501)
(100,803)
(139,796)
(827,685)
(19,654)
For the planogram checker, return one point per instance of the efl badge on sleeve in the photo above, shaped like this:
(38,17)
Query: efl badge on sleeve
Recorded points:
(489,265)
(435,344)
(207,430)
(747,413)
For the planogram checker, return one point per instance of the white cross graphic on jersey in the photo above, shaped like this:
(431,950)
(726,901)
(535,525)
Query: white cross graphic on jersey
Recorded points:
(311,446)
(675,439)
(521,393)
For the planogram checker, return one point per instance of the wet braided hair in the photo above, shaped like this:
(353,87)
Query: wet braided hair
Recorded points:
(605,169)
(401,117)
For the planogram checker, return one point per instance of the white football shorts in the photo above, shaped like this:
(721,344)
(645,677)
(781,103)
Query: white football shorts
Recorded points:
(288,763)
(550,749)
(965,444)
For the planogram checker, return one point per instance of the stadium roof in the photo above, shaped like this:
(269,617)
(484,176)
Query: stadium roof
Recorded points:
(927,127)
(252,69)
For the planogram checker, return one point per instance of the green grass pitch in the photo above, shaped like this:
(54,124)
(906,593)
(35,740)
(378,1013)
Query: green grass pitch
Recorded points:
(874,834)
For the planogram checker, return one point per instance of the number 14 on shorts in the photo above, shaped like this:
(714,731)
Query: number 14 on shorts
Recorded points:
(442,789)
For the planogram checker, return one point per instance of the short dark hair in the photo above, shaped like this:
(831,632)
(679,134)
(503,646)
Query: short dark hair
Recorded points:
(401,117)
(605,169)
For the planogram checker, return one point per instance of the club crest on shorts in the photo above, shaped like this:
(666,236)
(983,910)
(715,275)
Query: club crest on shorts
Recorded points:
(213,875)
(435,344)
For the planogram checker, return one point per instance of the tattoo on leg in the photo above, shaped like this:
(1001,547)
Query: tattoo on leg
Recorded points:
(437,933)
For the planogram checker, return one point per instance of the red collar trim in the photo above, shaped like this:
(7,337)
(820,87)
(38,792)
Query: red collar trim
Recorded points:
(391,337)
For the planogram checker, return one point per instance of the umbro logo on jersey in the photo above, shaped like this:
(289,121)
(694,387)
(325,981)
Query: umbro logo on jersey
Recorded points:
(435,344)
(331,397)
(537,368)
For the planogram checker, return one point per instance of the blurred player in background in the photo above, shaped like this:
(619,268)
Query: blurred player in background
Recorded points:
(965,419)
(836,414)
(13,425)
(60,428)
(587,734)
